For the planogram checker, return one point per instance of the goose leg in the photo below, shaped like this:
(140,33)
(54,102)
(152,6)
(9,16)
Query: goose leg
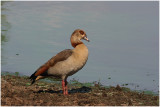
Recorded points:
(63,86)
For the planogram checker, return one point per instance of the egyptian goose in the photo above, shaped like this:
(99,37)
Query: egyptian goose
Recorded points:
(65,63)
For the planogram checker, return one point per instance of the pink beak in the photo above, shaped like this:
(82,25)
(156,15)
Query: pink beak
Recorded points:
(85,38)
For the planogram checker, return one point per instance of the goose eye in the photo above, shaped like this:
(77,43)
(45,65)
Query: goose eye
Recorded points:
(81,32)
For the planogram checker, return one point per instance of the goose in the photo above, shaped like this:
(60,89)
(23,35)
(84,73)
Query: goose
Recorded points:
(66,62)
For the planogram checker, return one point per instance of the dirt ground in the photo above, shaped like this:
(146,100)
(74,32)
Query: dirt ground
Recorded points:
(17,91)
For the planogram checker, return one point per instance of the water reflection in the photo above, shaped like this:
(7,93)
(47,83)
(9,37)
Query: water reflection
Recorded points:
(5,26)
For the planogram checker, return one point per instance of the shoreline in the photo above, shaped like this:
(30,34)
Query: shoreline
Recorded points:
(16,90)
(74,80)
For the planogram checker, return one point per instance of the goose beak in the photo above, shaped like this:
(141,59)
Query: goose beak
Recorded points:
(85,38)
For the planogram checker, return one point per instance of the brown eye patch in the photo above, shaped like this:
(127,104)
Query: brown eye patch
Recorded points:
(81,32)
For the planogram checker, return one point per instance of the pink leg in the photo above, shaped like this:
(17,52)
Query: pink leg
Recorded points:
(66,89)
(63,86)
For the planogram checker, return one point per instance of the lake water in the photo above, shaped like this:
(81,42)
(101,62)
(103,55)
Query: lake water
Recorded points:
(123,47)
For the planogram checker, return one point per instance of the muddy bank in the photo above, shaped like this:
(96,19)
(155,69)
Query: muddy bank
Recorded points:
(17,91)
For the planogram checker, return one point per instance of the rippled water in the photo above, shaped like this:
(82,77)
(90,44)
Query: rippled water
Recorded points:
(124,39)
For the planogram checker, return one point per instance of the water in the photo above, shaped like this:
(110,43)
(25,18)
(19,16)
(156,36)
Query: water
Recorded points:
(124,39)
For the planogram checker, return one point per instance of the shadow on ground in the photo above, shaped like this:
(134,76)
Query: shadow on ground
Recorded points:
(77,90)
